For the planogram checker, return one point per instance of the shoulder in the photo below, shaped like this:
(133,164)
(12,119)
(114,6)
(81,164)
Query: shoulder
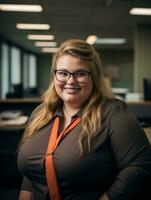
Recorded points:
(113,110)
(35,112)
(37,109)
(114,105)
(119,116)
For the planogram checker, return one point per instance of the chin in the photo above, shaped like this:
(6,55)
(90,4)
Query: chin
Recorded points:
(72,100)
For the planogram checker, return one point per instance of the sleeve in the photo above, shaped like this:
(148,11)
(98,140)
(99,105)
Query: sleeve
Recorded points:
(26,185)
(132,152)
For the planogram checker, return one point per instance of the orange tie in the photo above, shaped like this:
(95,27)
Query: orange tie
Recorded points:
(52,145)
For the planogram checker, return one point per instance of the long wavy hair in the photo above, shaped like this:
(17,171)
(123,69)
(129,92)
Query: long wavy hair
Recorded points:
(92,112)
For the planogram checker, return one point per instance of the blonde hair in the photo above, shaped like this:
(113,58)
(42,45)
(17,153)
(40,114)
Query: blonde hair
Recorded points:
(91,117)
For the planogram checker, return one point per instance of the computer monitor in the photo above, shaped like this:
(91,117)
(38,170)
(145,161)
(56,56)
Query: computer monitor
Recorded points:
(147,89)
(17,91)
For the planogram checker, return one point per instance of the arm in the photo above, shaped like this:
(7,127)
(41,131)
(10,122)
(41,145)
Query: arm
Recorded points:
(131,150)
(26,190)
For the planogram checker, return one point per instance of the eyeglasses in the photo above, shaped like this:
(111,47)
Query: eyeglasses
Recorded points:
(80,76)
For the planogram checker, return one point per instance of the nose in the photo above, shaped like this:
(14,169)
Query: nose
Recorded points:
(71,79)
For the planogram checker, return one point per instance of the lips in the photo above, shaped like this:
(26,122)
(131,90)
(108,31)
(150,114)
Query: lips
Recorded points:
(72,90)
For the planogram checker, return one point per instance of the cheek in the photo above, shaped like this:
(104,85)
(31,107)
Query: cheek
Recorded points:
(89,90)
(58,84)
(90,87)
(58,88)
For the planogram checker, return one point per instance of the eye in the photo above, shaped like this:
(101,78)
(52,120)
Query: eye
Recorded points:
(82,73)
(62,73)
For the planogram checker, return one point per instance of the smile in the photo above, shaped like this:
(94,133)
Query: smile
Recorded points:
(72,88)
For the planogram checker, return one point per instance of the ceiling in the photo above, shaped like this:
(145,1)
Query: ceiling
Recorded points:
(76,19)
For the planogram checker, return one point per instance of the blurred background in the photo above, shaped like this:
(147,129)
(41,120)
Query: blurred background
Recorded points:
(119,29)
(30,33)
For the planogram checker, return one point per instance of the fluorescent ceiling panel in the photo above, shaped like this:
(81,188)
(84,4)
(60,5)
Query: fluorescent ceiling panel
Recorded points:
(20,8)
(49,50)
(40,37)
(91,39)
(140,11)
(33,26)
(45,44)
(112,41)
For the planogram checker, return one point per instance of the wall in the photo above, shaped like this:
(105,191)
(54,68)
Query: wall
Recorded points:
(123,59)
(44,66)
(142,64)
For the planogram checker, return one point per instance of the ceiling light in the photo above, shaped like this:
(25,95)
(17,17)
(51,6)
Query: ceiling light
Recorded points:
(45,44)
(111,41)
(33,26)
(40,37)
(49,50)
(20,8)
(91,39)
(140,11)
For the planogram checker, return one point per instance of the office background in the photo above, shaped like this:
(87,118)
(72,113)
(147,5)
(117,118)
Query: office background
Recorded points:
(122,38)
(23,61)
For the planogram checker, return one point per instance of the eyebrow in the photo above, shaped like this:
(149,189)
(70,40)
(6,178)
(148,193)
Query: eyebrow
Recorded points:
(62,69)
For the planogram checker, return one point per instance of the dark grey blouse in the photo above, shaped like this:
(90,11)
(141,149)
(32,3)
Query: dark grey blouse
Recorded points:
(119,162)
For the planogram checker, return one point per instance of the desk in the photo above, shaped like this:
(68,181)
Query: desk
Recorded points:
(26,105)
(142,110)
(20,101)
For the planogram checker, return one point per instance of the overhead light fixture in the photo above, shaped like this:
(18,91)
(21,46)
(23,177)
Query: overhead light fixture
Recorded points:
(45,44)
(49,50)
(20,8)
(91,39)
(111,41)
(140,11)
(40,37)
(33,26)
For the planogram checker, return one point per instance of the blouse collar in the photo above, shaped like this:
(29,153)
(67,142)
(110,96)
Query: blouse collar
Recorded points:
(59,112)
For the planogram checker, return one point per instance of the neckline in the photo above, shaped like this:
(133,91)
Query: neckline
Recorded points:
(66,113)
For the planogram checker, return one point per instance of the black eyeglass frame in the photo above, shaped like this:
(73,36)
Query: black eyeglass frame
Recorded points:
(71,74)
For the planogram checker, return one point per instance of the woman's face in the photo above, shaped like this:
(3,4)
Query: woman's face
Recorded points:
(75,89)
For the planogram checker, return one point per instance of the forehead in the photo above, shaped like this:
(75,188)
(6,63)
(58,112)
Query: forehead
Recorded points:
(71,62)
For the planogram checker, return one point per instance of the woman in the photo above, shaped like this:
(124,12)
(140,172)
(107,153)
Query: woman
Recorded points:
(80,143)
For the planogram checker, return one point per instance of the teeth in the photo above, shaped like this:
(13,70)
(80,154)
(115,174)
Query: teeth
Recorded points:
(72,88)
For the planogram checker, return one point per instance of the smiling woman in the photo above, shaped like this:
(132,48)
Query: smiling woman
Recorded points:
(81,143)
(73,87)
